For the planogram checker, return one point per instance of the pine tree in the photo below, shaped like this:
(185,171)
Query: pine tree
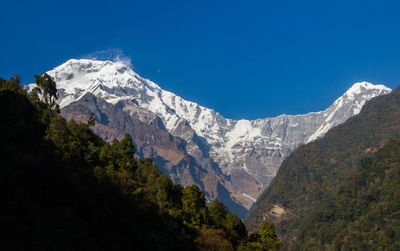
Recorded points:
(46,86)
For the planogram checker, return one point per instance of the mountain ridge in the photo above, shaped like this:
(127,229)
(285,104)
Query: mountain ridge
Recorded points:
(248,151)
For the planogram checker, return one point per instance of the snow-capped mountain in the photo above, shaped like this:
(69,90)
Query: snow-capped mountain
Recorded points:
(244,154)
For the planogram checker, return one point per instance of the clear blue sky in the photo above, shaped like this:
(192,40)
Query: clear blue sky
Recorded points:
(245,59)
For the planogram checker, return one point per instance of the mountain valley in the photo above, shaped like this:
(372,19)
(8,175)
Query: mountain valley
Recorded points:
(232,160)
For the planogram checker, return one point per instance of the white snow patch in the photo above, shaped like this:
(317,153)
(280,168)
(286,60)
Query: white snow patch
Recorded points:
(248,196)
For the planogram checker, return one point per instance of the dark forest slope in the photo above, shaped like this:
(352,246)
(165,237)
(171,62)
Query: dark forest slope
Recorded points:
(63,188)
(312,178)
(364,214)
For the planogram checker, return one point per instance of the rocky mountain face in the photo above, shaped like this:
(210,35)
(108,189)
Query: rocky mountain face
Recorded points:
(152,140)
(232,160)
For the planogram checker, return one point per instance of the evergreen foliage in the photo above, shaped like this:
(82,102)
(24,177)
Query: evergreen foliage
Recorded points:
(364,214)
(46,87)
(265,239)
(62,187)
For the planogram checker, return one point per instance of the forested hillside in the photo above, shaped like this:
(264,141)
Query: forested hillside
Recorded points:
(364,214)
(64,188)
(325,197)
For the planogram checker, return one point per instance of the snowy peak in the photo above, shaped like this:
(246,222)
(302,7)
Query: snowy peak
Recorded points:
(105,79)
(356,96)
(75,72)
(348,105)
(361,87)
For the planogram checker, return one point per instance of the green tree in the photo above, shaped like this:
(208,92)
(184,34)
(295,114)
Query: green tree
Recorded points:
(46,86)
(217,212)
(268,236)
(194,205)
(164,192)
(126,150)
(235,228)
(263,240)
(213,240)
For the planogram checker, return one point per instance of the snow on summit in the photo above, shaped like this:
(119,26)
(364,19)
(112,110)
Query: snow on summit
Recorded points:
(114,81)
(359,87)
(102,78)
(353,100)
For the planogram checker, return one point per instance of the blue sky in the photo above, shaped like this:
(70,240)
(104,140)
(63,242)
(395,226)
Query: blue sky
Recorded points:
(245,59)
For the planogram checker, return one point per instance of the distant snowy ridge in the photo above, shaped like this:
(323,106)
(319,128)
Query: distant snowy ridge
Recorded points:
(351,100)
(250,151)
